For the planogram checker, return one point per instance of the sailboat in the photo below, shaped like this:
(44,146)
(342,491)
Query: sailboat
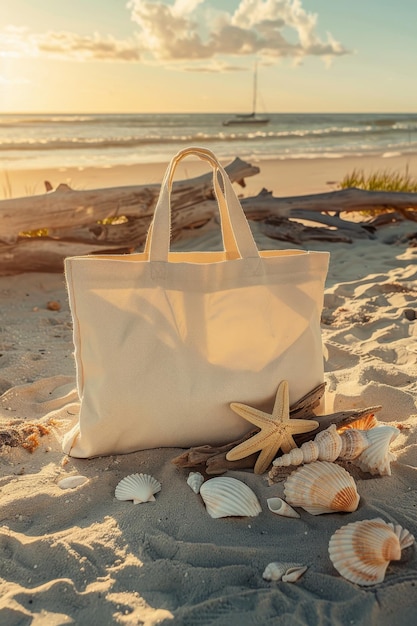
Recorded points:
(249,118)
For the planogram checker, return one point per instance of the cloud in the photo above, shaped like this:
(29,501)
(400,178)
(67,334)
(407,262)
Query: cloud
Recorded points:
(84,48)
(192,30)
(188,32)
(19,42)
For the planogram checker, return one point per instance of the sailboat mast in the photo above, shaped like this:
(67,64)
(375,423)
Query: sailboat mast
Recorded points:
(255,87)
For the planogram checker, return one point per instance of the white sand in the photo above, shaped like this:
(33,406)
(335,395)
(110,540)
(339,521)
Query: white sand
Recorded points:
(82,557)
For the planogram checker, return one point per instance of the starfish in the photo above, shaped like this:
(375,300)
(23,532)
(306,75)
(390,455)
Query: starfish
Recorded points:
(277,430)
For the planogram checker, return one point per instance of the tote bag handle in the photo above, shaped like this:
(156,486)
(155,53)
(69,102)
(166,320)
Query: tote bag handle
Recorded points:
(237,237)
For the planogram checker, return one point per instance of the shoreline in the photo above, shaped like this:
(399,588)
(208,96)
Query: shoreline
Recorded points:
(284,177)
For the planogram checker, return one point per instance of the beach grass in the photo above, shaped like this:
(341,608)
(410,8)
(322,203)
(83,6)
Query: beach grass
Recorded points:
(7,185)
(381,180)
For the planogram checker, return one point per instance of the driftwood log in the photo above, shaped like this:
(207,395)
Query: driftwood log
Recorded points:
(38,232)
(212,459)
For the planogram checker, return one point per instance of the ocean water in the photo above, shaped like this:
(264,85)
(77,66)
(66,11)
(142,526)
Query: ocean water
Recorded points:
(102,140)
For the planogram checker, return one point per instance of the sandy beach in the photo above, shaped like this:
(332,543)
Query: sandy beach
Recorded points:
(80,556)
(283,177)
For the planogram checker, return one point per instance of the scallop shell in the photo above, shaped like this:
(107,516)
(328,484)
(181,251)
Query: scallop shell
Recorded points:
(361,551)
(376,458)
(280,507)
(325,446)
(195,480)
(322,487)
(70,482)
(362,423)
(405,537)
(225,496)
(287,572)
(137,487)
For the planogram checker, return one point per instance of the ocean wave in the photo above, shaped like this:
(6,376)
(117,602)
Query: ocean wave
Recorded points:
(121,142)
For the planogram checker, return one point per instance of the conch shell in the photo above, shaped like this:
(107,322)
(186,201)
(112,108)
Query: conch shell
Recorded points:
(322,487)
(225,496)
(325,446)
(369,449)
(376,457)
(287,572)
(137,487)
(361,551)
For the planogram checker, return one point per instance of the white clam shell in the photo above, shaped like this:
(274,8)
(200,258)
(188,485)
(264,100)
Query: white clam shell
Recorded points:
(376,458)
(322,487)
(287,572)
(137,487)
(70,482)
(194,481)
(280,507)
(225,496)
(361,551)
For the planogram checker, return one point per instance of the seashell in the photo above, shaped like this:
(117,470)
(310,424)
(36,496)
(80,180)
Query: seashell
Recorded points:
(376,458)
(369,449)
(321,487)
(361,551)
(405,537)
(325,446)
(70,482)
(137,487)
(362,423)
(225,496)
(353,443)
(280,507)
(287,572)
(195,480)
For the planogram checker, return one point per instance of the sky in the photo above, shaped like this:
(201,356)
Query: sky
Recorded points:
(199,55)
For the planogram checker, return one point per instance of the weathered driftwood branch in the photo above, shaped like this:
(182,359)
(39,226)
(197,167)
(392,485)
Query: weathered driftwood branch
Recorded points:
(82,222)
(346,200)
(212,459)
(69,208)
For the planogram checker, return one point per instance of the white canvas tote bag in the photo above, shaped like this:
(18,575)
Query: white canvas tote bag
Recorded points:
(165,341)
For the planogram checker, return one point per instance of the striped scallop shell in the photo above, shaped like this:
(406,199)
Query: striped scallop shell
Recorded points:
(361,551)
(405,537)
(225,496)
(376,457)
(137,487)
(322,487)
(362,423)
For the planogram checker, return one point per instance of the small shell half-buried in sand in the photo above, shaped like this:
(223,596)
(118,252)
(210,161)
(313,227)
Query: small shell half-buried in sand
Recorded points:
(287,572)
(194,481)
(280,507)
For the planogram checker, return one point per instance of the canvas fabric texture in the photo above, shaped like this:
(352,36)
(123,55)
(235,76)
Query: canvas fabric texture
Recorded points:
(165,341)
